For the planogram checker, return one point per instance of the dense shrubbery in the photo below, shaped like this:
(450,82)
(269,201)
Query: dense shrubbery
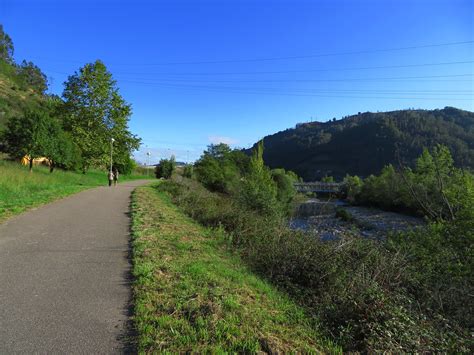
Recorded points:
(247,179)
(220,168)
(188,171)
(434,188)
(440,256)
(165,168)
(411,294)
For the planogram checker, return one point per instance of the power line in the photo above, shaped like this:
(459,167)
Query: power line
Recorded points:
(396,78)
(290,80)
(311,91)
(239,91)
(303,71)
(417,65)
(245,60)
(321,55)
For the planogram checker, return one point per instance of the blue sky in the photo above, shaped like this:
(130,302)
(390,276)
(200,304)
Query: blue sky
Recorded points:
(198,72)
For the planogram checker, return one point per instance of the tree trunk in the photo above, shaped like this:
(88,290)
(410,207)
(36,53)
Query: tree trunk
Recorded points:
(31,164)
(51,167)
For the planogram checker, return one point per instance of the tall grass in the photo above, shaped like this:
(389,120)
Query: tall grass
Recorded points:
(192,296)
(20,189)
(363,292)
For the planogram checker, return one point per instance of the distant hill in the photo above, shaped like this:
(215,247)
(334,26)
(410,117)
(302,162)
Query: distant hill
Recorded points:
(363,144)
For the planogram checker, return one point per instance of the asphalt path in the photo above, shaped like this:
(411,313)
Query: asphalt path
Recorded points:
(65,275)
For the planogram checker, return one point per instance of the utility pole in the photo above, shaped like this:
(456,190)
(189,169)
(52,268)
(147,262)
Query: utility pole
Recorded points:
(147,162)
(111,151)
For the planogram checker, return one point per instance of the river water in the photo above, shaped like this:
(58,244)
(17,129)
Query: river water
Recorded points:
(319,216)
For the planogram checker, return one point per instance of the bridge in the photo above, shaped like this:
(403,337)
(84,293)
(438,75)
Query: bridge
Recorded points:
(318,187)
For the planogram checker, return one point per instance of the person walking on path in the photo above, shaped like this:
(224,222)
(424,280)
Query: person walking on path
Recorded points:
(116,176)
(111,177)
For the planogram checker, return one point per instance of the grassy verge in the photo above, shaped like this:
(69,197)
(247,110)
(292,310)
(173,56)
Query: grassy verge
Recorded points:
(369,296)
(20,190)
(191,294)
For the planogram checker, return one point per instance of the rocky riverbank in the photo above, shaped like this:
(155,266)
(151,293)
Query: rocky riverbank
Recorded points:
(321,217)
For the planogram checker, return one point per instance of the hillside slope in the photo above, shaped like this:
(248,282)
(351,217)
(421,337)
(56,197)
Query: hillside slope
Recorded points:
(363,144)
(15,99)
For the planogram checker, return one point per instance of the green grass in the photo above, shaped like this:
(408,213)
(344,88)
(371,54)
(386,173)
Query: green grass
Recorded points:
(192,294)
(21,190)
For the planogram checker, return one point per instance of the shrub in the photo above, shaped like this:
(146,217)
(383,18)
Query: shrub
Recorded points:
(344,215)
(351,188)
(188,171)
(220,168)
(259,190)
(165,168)
(285,186)
(327,179)
(361,291)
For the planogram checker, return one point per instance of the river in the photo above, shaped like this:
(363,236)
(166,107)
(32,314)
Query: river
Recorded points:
(319,216)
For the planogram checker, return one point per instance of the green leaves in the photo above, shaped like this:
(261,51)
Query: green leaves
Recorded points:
(36,134)
(166,168)
(6,46)
(31,76)
(95,113)
(28,134)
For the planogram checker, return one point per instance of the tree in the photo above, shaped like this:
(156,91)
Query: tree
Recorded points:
(436,185)
(327,179)
(60,148)
(285,186)
(6,47)
(95,113)
(351,187)
(218,151)
(126,165)
(259,191)
(165,168)
(219,168)
(28,135)
(32,76)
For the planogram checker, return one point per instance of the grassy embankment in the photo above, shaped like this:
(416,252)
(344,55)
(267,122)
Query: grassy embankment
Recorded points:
(192,294)
(21,190)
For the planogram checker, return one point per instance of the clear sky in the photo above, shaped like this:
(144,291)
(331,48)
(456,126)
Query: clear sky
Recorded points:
(206,71)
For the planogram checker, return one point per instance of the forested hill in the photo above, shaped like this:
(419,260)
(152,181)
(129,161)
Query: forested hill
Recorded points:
(363,144)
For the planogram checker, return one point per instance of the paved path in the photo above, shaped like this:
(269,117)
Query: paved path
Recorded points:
(65,275)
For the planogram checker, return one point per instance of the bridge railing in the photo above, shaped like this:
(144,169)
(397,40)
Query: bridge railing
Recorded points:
(318,186)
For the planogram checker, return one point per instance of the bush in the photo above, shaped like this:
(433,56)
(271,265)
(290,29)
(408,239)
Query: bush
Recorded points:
(361,291)
(188,171)
(327,179)
(220,168)
(351,188)
(126,165)
(344,215)
(285,186)
(165,168)
(434,189)
(259,191)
